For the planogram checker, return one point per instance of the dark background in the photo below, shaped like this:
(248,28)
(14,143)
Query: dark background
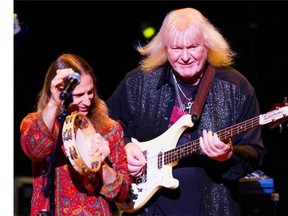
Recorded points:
(105,32)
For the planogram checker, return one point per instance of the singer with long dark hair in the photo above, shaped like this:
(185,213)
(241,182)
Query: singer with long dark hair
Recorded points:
(75,193)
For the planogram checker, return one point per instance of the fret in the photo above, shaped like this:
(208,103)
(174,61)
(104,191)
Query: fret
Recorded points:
(193,147)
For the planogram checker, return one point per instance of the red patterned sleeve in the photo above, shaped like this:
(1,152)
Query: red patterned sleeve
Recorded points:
(117,190)
(36,140)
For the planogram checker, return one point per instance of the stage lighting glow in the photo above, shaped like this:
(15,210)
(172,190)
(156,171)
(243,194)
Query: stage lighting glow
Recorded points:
(148,32)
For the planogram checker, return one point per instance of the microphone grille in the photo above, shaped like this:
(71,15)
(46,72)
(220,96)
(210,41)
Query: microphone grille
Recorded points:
(75,76)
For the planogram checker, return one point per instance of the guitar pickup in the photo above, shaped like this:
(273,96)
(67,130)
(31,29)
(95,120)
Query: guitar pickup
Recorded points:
(160,160)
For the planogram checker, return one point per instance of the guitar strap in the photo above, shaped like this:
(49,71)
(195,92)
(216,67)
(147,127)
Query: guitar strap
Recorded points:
(202,93)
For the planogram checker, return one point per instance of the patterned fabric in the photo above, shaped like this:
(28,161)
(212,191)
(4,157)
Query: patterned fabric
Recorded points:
(71,195)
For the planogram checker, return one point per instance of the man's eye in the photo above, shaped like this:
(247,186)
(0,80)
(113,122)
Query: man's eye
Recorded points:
(193,46)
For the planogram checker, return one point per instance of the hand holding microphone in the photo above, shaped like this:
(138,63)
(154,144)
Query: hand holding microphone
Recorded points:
(63,84)
(72,80)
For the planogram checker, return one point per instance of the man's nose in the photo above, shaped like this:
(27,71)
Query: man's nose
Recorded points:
(185,55)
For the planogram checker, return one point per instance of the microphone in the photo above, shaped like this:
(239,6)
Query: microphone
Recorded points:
(70,83)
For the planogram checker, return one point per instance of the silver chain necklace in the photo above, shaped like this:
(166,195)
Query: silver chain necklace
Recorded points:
(188,99)
(182,106)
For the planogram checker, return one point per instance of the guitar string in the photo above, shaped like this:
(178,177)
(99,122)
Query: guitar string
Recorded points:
(194,145)
(238,128)
(167,156)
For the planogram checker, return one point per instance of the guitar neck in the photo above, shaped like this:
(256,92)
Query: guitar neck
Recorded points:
(194,147)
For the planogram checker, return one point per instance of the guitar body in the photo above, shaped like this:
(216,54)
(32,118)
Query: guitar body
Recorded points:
(162,154)
(156,175)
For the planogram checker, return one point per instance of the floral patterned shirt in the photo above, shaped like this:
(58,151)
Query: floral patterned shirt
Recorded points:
(70,194)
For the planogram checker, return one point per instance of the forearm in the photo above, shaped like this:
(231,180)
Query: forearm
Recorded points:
(49,114)
(245,159)
(108,174)
(115,184)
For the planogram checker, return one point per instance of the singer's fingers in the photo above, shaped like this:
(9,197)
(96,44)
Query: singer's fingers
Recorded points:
(58,84)
(64,72)
(59,80)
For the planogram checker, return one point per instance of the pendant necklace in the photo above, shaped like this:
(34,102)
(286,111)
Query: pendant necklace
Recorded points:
(189,104)
(182,106)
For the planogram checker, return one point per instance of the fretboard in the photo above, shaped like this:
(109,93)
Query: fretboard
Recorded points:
(194,147)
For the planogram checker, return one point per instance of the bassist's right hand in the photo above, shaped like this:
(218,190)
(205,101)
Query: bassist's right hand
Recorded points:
(135,159)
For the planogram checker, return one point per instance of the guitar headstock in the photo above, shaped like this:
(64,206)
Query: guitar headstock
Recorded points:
(282,110)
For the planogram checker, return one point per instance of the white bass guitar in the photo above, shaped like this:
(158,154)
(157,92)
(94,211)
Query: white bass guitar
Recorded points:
(161,155)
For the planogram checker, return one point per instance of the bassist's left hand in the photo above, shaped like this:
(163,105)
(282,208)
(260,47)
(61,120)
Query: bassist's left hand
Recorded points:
(213,147)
